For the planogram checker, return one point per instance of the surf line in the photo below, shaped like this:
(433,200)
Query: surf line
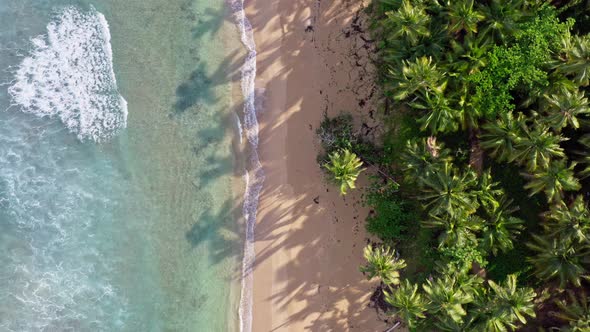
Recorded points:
(254,175)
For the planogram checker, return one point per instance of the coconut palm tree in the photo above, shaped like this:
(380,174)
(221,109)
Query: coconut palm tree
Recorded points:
(488,192)
(458,230)
(500,228)
(420,159)
(463,17)
(502,306)
(575,61)
(439,117)
(469,57)
(558,259)
(537,147)
(408,303)
(420,76)
(553,180)
(501,18)
(447,297)
(499,137)
(565,108)
(449,191)
(345,167)
(570,223)
(409,22)
(514,300)
(576,312)
(383,263)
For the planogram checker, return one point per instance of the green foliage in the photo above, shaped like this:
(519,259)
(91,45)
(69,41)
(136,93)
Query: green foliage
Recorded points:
(537,147)
(336,133)
(570,223)
(421,158)
(461,258)
(447,191)
(383,263)
(559,259)
(408,21)
(448,295)
(518,65)
(565,108)
(409,305)
(392,215)
(553,181)
(503,306)
(345,167)
(575,311)
(464,81)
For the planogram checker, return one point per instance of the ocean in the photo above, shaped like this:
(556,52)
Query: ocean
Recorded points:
(129,176)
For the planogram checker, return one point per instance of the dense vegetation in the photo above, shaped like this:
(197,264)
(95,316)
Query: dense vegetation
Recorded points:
(482,174)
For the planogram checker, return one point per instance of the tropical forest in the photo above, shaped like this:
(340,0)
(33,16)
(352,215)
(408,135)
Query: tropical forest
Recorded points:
(480,179)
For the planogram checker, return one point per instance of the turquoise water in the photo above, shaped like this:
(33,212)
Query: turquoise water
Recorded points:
(120,192)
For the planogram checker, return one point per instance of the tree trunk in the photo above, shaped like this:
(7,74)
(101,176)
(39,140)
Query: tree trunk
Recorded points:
(475,152)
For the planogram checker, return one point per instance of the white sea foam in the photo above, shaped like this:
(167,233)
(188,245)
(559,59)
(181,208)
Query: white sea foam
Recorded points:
(254,177)
(54,206)
(69,74)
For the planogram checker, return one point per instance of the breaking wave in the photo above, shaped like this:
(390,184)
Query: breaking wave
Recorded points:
(69,74)
(254,177)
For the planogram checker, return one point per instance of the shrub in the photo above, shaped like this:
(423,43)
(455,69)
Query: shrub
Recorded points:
(391,215)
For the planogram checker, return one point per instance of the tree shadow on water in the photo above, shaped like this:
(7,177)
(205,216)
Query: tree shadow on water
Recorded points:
(218,232)
(196,89)
(200,86)
(208,22)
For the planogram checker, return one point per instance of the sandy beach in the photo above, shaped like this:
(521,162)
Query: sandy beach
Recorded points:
(312,58)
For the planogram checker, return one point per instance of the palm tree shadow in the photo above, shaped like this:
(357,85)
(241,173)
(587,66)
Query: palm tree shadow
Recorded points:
(217,231)
(209,22)
(197,89)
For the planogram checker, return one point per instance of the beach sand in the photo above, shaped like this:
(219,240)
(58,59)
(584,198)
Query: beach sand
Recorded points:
(312,58)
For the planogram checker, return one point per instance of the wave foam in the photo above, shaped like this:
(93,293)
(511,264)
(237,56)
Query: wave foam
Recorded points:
(254,176)
(69,74)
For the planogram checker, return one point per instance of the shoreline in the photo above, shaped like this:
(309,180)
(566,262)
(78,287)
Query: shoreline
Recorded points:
(309,239)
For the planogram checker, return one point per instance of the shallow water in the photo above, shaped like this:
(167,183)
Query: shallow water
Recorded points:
(119,189)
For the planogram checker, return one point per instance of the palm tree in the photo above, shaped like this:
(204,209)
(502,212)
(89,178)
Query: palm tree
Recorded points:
(576,59)
(565,108)
(449,192)
(536,148)
(501,19)
(447,297)
(439,117)
(488,191)
(576,311)
(420,75)
(383,263)
(345,167)
(553,180)
(458,230)
(558,258)
(408,303)
(571,223)
(500,228)
(503,306)
(468,57)
(499,136)
(410,22)
(464,17)
(509,298)
(419,159)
